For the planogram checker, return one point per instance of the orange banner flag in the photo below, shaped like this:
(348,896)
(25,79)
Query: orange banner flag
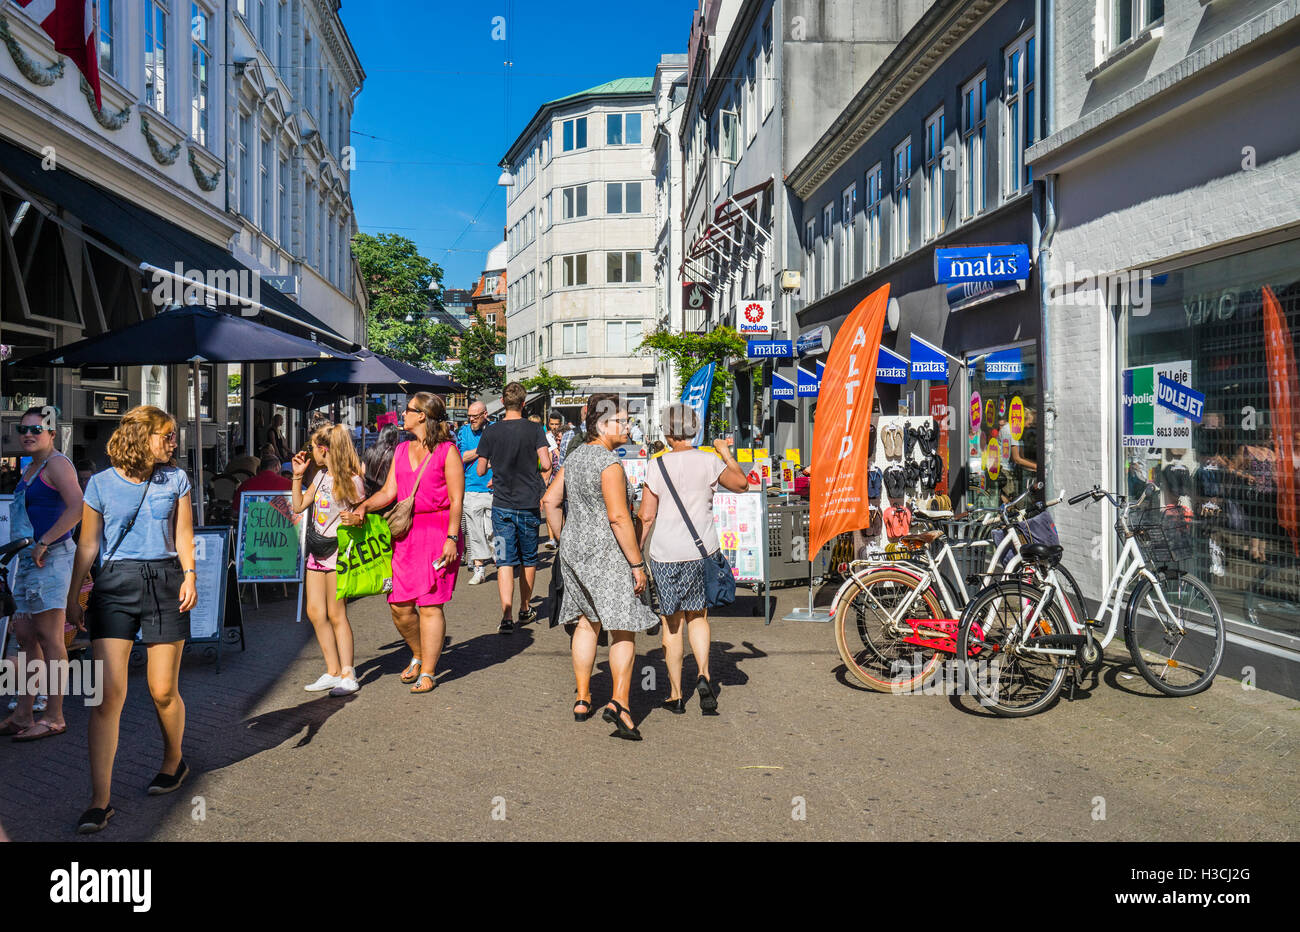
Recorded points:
(838,490)
(1284,387)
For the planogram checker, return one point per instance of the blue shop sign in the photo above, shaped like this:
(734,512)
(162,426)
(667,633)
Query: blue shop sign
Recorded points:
(891,368)
(1005,263)
(770,349)
(962,295)
(1181,399)
(814,341)
(1004,365)
(809,383)
(782,388)
(928,361)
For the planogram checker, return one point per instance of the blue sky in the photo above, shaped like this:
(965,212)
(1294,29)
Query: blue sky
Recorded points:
(435,95)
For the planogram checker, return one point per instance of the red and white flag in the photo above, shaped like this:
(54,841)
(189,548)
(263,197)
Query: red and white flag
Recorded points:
(72,26)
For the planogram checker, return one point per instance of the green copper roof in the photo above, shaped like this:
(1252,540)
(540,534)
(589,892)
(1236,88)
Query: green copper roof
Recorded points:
(617,86)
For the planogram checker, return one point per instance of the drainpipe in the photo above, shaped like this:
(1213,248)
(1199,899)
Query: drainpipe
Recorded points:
(1045,332)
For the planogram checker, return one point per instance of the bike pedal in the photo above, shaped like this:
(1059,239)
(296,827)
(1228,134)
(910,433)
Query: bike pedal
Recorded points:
(1092,623)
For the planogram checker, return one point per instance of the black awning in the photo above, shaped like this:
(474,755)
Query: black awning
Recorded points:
(138,232)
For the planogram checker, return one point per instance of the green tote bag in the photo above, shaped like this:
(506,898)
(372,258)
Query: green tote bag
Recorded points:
(365,563)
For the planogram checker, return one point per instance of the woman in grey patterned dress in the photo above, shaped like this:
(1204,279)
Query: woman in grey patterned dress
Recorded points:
(600,562)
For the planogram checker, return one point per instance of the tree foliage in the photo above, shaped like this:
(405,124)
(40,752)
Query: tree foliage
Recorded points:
(397,281)
(549,384)
(476,369)
(690,352)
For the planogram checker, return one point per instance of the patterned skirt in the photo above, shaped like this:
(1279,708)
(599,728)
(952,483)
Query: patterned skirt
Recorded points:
(680,585)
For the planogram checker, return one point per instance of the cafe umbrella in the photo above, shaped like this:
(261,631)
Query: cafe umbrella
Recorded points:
(192,334)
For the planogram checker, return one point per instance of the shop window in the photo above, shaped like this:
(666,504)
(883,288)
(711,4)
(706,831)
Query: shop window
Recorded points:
(1228,328)
(1000,419)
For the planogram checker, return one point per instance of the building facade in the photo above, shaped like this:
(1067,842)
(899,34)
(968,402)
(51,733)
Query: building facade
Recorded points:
(108,209)
(489,294)
(930,155)
(669,91)
(751,114)
(1174,252)
(580,241)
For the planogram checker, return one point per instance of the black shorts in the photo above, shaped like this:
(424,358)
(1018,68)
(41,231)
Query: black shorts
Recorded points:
(138,596)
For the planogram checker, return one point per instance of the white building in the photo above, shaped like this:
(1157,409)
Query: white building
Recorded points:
(580,234)
(670,95)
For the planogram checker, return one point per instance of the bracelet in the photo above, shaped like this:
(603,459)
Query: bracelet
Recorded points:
(195,572)
(637,566)
(453,537)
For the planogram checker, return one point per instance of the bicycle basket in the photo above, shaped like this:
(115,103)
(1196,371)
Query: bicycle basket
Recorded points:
(1165,538)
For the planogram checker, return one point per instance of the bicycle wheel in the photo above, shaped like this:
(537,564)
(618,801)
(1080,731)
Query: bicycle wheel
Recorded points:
(1011,678)
(870,627)
(1178,654)
(1078,608)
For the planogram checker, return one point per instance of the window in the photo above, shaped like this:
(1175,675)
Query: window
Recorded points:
(623,129)
(623,198)
(246,165)
(283,230)
(622,267)
(574,202)
(282,36)
(265,11)
(331,255)
(827,274)
(331,128)
(575,134)
(972,146)
(1129,18)
(872,232)
(901,239)
(106,24)
(574,337)
(766,90)
(810,257)
(622,337)
(729,123)
(575,270)
(933,213)
(200,59)
(267,219)
(848,214)
(1018,128)
(155,54)
(751,109)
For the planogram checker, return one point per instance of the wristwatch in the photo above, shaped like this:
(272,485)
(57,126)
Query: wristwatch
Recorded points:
(453,537)
(195,572)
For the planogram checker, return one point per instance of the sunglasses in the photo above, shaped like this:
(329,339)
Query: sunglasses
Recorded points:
(36,429)
(414,411)
(168,438)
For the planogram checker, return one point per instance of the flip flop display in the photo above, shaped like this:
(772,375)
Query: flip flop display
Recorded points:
(895,481)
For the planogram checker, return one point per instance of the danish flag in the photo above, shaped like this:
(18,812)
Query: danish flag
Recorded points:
(73,25)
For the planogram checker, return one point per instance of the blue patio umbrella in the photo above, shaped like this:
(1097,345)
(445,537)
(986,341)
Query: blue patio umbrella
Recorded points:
(365,370)
(190,334)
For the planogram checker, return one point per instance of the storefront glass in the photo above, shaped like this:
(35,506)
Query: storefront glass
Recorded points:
(1000,421)
(1228,330)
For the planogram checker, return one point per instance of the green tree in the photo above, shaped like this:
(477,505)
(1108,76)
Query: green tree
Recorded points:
(476,369)
(549,384)
(691,352)
(397,281)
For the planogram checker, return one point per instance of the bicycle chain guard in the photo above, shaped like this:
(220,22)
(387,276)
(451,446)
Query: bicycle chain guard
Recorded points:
(938,634)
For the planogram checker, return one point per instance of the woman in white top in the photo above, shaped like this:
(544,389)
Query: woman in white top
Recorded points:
(675,560)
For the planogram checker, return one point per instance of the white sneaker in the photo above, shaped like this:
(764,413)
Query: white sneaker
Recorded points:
(346,687)
(325,682)
(478,577)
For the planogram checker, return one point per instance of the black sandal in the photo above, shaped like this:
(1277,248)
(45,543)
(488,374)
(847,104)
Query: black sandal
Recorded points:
(582,716)
(615,717)
(94,820)
(708,696)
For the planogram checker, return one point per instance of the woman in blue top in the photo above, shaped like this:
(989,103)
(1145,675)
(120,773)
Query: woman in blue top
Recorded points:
(45,507)
(137,517)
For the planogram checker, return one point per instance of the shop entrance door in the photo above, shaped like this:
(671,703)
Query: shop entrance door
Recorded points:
(1001,424)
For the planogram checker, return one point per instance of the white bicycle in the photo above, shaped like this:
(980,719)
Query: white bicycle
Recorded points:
(1019,638)
(894,620)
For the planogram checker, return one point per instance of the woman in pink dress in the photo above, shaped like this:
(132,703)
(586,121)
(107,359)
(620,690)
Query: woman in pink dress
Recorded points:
(427,559)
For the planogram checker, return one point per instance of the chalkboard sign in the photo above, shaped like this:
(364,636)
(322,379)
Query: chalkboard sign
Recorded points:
(270,544)
(211,556)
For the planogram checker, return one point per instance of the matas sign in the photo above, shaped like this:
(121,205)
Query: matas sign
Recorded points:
(755,318)
(981,264)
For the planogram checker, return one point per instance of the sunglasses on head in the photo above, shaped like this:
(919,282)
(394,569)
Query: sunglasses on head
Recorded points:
(36,429)
(322,446)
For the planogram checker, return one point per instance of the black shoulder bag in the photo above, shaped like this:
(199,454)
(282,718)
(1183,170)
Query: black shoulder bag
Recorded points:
(719,581)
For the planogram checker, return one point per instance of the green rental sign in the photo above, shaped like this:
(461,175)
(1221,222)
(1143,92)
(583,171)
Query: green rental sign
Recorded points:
(270,546)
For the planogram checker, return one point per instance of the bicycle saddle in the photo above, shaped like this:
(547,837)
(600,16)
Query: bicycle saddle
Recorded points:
(1042,553)
(921,538)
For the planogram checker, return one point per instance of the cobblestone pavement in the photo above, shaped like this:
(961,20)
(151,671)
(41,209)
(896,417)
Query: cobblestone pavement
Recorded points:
(494,753)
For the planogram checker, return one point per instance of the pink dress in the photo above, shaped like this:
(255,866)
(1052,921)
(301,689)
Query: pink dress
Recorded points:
(414,578)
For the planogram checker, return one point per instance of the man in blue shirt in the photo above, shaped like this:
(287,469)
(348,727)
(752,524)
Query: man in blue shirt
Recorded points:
(478,496)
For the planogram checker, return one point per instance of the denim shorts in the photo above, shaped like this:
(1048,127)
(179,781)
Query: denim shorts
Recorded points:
(40,589)
(514,535)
